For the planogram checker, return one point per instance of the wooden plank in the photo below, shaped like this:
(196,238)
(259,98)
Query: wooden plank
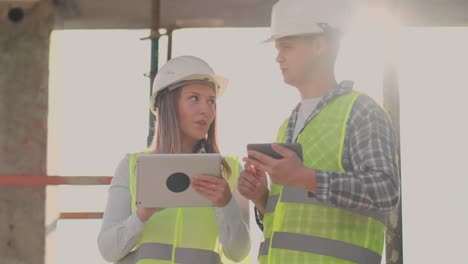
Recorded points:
(41,180)
(81,215)
(126,14)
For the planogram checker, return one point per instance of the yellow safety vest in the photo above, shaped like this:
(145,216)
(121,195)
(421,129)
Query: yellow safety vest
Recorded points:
(298,228)
(179,235)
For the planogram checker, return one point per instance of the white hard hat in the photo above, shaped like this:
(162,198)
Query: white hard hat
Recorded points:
(185,68)
(300,17)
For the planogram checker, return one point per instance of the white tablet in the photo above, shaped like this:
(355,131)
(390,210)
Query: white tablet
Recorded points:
(163,180)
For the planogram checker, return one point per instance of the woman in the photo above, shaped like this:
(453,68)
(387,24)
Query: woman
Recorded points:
(184,104)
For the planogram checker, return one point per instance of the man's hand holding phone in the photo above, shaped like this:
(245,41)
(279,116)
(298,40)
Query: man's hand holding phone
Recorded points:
(288,170)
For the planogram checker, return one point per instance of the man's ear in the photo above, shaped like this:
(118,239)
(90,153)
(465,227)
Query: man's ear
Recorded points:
(320,45)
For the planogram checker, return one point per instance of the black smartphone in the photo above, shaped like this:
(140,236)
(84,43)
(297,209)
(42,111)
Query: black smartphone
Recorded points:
(266,149)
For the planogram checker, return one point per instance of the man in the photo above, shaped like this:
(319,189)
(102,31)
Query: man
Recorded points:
(331,207)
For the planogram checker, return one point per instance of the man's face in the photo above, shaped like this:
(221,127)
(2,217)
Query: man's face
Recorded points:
(298,58)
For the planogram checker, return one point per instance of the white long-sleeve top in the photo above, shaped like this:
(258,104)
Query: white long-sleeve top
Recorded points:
(121,229)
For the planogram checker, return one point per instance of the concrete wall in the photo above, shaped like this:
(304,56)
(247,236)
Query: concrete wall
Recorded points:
(25,27)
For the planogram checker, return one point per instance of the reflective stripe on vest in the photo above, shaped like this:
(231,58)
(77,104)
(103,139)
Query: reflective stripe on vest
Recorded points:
(296,195)
(264,246)
(164,252)
(190,255)
(271,203)
(322,246)
(149,251)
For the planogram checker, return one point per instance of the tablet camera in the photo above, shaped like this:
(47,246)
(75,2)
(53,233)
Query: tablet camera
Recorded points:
(178,182)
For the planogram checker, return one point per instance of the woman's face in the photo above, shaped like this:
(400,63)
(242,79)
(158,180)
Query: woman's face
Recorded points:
(196,111)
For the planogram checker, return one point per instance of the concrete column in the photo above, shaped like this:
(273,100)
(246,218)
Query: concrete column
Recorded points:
(391,102)
(25,27)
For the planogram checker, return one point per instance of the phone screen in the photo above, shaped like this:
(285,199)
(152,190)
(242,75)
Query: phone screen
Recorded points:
(265,148)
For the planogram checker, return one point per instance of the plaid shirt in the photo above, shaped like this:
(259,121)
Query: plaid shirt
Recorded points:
(371,179)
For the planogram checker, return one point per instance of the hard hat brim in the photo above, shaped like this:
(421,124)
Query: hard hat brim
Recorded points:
(222,85)
(289,32)
(270,39)
(220,81)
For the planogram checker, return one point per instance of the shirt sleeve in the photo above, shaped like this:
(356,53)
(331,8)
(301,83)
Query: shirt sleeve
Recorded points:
(121,229)
(371,180)
(231,222)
